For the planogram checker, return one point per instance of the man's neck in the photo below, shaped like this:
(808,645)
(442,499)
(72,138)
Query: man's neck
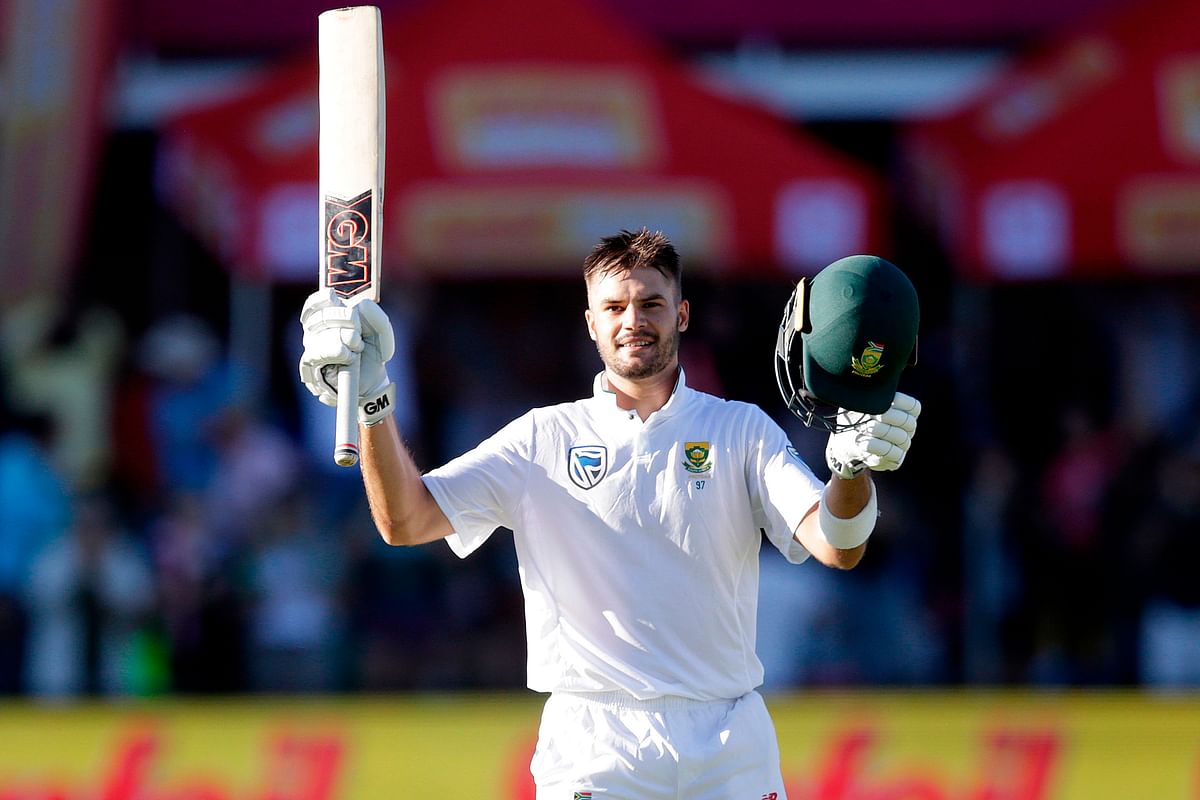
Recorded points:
(645,395)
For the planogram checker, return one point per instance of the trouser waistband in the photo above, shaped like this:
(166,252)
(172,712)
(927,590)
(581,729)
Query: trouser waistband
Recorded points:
(626,700)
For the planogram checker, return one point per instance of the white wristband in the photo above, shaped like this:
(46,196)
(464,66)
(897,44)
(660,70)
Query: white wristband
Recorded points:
(846,534)
(377,406)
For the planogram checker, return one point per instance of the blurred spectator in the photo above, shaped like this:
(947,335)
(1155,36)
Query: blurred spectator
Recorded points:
(492,355)
(1077,480)
(1075,613)
(33,513)
(257,466)
(1156,333)
(418,620)
(994,519)
(193,387)
(293,576)
(91,593)
(898,597)
(197,600)
(61,361)
(1167,545)
(798,624)
(883,606)
(477,639)
(394,606)
(136,474)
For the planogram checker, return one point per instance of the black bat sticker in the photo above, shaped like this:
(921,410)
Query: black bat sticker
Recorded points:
(349,253)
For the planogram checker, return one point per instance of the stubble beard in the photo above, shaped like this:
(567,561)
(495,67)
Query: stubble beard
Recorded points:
(665,348)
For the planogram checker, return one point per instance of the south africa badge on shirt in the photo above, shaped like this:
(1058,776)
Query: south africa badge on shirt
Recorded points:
(699,457)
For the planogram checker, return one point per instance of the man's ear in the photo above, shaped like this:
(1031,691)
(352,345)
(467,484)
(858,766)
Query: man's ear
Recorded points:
(683,315)
(590,322)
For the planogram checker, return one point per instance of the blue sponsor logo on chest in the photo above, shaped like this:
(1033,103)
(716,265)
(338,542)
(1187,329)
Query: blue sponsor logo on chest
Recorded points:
(587,464)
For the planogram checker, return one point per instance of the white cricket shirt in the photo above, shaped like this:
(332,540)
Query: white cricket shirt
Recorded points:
(637,541)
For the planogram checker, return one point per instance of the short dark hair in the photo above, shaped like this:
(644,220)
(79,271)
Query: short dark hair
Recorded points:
(629,250)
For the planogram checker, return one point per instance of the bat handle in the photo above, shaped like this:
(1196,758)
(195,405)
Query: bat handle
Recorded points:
(345,443)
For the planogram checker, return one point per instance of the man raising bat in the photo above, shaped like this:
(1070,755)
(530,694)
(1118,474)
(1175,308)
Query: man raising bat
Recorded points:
(638,513)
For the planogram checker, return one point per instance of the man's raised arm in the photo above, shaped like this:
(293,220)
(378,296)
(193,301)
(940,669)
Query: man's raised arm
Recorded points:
(336,335)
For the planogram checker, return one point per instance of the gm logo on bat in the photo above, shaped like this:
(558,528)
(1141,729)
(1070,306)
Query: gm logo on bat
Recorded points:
(348,244)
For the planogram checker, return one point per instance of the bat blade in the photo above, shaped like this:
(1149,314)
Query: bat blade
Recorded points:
(352,107)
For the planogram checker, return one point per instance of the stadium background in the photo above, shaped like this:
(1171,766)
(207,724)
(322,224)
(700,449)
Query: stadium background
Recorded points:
(193,603)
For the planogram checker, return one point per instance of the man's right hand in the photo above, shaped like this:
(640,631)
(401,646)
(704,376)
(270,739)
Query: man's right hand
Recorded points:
(334,335)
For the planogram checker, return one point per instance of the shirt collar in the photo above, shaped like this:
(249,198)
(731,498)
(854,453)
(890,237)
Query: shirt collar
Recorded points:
(608,398)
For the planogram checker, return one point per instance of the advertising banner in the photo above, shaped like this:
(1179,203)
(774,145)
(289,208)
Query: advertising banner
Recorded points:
(869,746)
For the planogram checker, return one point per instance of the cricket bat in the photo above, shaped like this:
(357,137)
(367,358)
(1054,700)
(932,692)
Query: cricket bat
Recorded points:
(351,93)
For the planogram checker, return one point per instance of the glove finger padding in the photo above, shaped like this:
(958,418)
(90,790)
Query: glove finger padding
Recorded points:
(328,346)
(894,417)
(879,443)
(333,338)
(327,329)
(883,455)
(889,433)
(379,345)
(906,403)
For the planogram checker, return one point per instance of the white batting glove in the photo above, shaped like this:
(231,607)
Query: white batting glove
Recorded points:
(335,335)
(879,442)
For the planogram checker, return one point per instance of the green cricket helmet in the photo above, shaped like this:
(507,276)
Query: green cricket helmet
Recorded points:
(846,336)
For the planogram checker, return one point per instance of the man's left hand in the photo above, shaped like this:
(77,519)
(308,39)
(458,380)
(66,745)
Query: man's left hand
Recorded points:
(879,442)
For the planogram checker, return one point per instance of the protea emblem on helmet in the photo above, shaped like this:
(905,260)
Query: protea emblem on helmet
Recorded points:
(699,457)
(870,362)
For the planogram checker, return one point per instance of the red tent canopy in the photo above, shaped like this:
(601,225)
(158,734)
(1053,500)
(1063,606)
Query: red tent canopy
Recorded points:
(1084,159)
(518,133)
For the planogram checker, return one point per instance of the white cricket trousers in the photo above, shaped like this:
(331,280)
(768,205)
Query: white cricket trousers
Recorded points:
(614,747)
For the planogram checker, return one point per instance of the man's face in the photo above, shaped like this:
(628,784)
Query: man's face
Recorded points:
(635,320)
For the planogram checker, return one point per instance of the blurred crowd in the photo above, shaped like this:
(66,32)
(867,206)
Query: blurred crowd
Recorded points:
(160,534)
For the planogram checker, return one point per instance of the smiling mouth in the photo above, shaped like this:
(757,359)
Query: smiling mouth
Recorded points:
(635,344)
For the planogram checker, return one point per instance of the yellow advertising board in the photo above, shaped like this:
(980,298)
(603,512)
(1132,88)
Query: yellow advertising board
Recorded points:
(857,746)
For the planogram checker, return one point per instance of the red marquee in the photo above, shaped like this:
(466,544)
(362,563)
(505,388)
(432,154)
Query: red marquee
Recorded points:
(1083,160)
(519,132)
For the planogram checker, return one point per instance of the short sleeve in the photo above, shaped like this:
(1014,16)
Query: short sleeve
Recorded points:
(783,487)
(479,490)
